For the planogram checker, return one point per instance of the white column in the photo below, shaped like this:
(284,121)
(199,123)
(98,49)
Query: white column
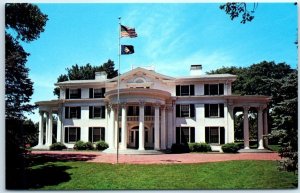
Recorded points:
(170,126)
(141,127)
(50,128)
(124,127)
(41,129)
(260,128)
(112,128)
(266,127)
(59,136)
(230,125)
(156,128)
(47,129)
(163,128)
(246,128)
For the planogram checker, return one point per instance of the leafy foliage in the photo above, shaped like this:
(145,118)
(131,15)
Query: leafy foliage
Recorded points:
(199,147)
(101,145)
(86,72)
(234,10)
(180,148)
(58,146)
(230,148)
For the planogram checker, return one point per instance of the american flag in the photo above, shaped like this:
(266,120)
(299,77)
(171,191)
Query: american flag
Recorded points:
(128,32)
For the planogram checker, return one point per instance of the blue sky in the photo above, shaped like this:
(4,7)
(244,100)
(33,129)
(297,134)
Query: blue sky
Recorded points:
(171,37)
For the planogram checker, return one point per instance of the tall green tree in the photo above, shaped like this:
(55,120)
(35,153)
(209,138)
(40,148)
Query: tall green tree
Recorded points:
(86,72)
(23,22)
(27,22)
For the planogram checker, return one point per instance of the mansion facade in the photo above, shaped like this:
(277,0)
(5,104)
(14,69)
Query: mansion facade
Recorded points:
(149,111)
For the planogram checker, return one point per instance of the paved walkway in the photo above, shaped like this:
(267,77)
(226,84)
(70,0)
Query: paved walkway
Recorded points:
(99,157)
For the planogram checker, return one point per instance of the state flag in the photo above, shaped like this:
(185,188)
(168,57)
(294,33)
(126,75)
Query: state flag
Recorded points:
(127,49)
(128,32)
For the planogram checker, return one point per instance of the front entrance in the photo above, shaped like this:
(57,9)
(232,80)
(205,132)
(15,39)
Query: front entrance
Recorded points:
(134,138)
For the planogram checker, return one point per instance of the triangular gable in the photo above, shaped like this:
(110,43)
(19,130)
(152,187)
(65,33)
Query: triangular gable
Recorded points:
(145,72)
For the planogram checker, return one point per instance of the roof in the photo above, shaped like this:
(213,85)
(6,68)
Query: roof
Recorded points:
(228,77)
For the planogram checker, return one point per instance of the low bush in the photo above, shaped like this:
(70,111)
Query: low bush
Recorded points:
(180,148)
(89,146)
(199,147)
(230,148)
(80,145)
(58,146)
(101,145)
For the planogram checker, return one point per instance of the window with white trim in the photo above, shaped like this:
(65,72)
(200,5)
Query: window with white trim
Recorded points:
(72,112)
(96,112)
(72,134)
(214,110)
(215,135)
(96,92)
(73,93)
(185,134)
(185,110)
(96,134)
(185,90)
(214,89)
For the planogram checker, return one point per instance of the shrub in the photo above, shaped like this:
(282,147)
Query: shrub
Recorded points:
(230,148)
(180,148)
(79,145)
(58,146)
(199,147)
(101,145)
(89,146)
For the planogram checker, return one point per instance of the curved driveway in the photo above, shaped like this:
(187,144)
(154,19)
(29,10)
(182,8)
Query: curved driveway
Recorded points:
(100,157)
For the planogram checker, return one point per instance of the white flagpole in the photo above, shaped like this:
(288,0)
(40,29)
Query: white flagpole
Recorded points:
(118,97)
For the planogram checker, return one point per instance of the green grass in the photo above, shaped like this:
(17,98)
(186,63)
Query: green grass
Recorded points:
(274,147)
(77,175)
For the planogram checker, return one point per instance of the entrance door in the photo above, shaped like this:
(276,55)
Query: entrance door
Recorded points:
(136,139)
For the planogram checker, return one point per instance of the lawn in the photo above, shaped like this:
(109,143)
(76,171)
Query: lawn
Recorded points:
(79,175)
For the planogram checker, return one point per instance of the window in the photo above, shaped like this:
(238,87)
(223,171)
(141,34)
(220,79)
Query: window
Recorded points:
(73,93)
(185,90)
(97,112)
(214,89)
(133,111)
(185,134)
(214,110)
(215,135)
(96,134)
(72,134)
(97,92)
(72,112)
(149,111)
(185,110)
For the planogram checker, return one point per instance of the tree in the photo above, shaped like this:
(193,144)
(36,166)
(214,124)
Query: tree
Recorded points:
(86,72)
(27,21)
(23,22)
(234,10)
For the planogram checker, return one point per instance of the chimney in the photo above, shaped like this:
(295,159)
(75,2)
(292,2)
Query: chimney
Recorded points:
(196,70)
(100,75)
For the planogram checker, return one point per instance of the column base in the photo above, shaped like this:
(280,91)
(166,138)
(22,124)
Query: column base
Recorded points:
(260,148)
(141,149)
(246,148)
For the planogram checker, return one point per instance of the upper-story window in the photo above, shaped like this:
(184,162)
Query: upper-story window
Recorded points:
(73,93)
(72,112)
(96,112)
(214,110)
(97,92)
(185,90)
(214,89)
(185,110)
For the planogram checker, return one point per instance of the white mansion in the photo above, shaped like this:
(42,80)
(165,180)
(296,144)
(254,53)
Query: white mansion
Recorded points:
(155,111)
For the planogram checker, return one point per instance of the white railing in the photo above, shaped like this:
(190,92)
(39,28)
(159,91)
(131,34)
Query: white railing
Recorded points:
(136,118)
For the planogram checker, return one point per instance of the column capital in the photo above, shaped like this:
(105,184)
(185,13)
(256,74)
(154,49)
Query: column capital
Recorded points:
(123,104)
(246,108)
(41,113)
(163,107)
(169,108)
(141,103)
(157,104)
(261,107)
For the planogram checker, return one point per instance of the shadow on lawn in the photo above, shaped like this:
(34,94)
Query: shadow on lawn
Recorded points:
(37,170)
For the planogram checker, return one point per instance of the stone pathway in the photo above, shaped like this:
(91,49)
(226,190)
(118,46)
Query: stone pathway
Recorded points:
(99,157)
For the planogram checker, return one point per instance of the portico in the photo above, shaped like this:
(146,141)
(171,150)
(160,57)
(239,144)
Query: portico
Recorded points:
(144,126)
